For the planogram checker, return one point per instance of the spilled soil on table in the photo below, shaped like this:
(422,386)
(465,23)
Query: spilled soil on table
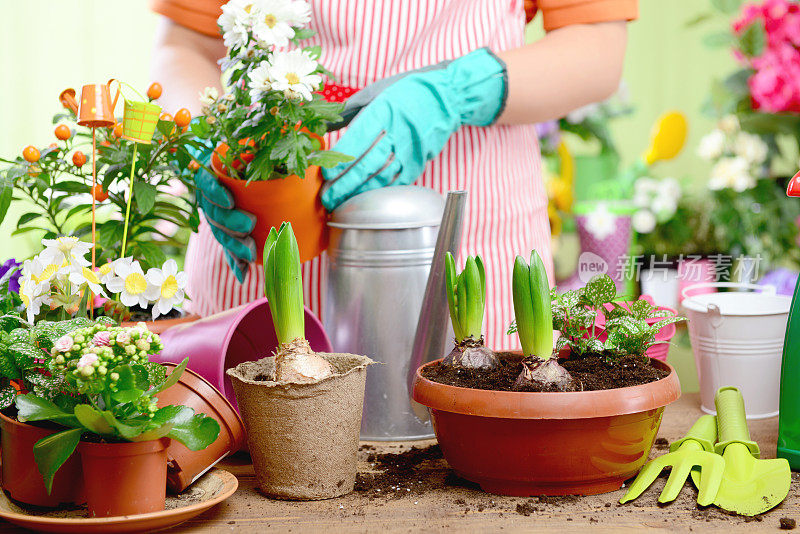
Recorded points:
(593,372)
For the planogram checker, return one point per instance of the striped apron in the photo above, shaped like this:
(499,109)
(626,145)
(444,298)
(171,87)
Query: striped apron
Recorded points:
(506,213)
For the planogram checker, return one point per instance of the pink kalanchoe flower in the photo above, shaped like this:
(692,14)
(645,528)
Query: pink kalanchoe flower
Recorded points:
(102,338)
(123,337)
(64,343)
(87,360)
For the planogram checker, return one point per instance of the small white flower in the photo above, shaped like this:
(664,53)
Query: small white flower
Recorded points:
(106,271)
(664,207)
(208,96)
(750,147)
(712,145)
(298,13)
(259,82)
(87,360)
(729,124)
(129,282)
(643,221)
(731,172)
(293,73)
(601,223)
(671,188)
(84,275)
(272,22)
(33,295)
(236,18)
(65,250)
(165,287)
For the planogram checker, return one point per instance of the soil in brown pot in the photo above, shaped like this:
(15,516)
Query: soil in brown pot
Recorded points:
(593,372)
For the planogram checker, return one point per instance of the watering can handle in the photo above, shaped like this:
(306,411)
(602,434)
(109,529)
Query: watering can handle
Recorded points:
(732,421)
(116,96)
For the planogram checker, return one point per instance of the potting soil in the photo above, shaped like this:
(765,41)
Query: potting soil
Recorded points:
(593,372)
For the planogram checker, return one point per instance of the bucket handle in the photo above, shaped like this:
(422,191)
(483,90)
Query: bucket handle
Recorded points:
(767,290)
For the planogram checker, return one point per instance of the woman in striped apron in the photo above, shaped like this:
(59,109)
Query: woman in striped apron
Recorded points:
(495,157)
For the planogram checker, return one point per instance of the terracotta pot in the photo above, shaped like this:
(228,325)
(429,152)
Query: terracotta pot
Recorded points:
(125,478)
(21,478)
(160,326)
(525,444)
(192,390)
(289,199)
(303,438)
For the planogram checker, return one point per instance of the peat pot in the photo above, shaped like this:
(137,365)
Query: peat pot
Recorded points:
(526,444)
(381,247)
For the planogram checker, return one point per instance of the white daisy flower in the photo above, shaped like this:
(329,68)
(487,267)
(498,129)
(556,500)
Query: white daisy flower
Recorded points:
(750,147)
(293,73)
(643,221)
(272,22)
(165,287)
(601,223)
(259,82)
(235,22)
(298,13)
(129,282)
(65,250)
(712,145)
(106,271)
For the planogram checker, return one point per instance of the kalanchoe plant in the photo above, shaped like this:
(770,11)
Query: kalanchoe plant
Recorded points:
(23,352)
(466,297)
(271,115)
(534,322)
(295,362)
(113,391)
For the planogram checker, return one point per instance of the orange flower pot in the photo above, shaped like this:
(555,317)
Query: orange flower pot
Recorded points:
(125,478)
(526,444)
(289,199)
(21,478)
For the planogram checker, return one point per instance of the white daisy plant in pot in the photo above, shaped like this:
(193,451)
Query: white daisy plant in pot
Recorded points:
(59,284)
(270,117)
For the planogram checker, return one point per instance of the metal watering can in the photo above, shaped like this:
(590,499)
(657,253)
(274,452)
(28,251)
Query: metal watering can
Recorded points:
(385,296)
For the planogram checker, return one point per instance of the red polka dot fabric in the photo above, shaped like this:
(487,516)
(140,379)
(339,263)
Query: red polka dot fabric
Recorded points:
(337,93)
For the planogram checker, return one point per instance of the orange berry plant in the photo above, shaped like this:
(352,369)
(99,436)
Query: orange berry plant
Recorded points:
(57,182)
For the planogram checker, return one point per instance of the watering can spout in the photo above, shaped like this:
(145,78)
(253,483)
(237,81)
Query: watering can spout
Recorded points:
(431,337)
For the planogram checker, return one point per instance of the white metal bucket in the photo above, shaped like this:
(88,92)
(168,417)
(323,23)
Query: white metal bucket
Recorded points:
(737,340)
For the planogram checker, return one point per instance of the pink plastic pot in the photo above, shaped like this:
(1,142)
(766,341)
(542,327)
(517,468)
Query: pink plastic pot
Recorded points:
(216,343)
(659,351)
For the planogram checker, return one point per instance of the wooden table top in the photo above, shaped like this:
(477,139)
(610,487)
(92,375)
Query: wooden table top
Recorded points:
(457,506)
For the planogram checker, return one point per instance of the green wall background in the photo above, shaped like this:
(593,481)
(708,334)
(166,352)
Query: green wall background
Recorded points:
(47,45)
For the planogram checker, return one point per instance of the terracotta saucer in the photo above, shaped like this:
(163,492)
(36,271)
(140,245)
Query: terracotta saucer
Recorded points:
(209,490)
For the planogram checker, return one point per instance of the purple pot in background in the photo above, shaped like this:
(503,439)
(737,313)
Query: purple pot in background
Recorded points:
(218,342)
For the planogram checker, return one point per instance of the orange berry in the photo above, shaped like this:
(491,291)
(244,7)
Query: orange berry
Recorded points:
(78,159)
(183,117)
(63,132)
(31,154)
(193,165)
(53,147)
(98,193)
(165,117)
(154,91)
(118,131)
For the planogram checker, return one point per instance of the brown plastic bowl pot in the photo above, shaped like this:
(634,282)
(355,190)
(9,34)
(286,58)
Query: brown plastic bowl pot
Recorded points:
(192,390)
(525,444)
(21,478)
(162,325)
(125,478)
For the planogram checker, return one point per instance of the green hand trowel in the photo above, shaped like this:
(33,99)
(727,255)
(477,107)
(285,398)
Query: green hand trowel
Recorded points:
(749,486)
(694,450)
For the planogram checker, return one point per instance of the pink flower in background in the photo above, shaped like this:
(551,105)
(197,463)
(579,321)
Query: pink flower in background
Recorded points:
(87,360)
(102,338)
(775,84)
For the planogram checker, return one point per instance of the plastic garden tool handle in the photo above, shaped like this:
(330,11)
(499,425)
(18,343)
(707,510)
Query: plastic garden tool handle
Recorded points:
(230,227)
(702,433)
(731,421)
(409,122)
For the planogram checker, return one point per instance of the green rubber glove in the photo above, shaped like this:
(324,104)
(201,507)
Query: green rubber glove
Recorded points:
(409,121)
(231,227)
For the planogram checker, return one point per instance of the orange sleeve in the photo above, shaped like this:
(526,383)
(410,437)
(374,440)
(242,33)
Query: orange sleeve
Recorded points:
(559,13)
(198,15)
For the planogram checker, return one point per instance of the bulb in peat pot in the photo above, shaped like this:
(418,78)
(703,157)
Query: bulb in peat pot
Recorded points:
(466,298)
